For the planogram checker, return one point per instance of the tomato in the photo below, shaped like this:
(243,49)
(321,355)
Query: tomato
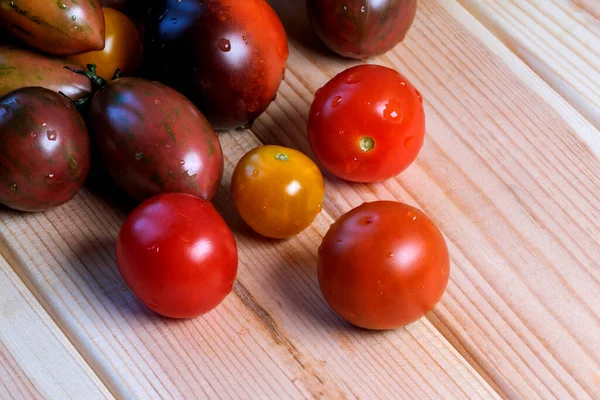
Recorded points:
(367,124)
(361,28)
(44,151)
(122,48)
(59,27)
(177,255)
(25,68)
(154,140)
(227,56)
(277,191)
(383,265)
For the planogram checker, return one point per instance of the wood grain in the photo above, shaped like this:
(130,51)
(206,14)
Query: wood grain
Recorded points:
(273,338)
(514,188)
(558,39)
(509,172)
(36,359)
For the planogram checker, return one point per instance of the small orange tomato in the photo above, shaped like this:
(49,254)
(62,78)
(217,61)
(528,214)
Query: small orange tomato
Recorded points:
(121,50)
(277,191)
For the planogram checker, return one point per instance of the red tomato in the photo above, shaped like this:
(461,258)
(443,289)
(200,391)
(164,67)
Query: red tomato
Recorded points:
(383,265)
(367,124)
(177,255)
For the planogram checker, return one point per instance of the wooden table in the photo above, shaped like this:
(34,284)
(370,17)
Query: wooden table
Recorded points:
(510,171)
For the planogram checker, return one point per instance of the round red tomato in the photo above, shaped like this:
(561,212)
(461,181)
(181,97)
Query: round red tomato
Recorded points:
(121,49)
(277,191)
(367,124)
(177,255)
(383,265)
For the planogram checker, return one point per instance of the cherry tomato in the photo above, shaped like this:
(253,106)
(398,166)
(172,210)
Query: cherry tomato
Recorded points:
(177,255)
(121,50)
(277,191)
(383,265)
(361,28)
(367,124)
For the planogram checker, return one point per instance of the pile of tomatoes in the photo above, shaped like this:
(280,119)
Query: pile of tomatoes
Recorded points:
(70,102)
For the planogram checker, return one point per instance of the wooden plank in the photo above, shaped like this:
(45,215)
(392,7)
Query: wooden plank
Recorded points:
(273,338)
(558,39)
(503,172)
(37,361)
(510,172)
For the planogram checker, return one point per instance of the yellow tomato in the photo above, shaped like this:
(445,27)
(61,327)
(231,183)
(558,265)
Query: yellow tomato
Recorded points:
(277,191)
(121,49)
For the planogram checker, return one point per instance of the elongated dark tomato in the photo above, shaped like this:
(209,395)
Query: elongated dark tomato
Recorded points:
(22,68)
(57,27)
(154,140)
(44,150)
(361,28)
(227,56)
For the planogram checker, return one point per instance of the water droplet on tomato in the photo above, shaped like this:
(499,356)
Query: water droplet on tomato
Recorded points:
(419,95)
(390,254)
(339,240)
(336,101)
(224,45)
(354,78)
(351,166)
(33,135)
(157,102)
(50,179)
(51,135)
(341,132)
(255,173)
(139,156)
(13,188)
(252,106)
(181,162)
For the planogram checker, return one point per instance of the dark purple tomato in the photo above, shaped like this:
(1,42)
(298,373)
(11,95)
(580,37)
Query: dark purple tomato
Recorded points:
(61,27)
(227,56)
(153,140)
(361,28)
(44,149)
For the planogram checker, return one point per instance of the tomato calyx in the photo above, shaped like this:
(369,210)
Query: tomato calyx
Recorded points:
(281,157)
(97,83)
(366,144)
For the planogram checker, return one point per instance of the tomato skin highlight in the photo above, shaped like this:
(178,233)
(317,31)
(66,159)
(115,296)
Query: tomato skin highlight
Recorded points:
(383,265)
(277,191)
(361,28)
(122,49)
(44,150)
(177,255)
(367,124)
(227,56)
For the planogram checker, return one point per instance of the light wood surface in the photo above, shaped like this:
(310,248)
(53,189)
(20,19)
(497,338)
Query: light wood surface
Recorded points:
(558,39)
(37,361)
(509,171)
